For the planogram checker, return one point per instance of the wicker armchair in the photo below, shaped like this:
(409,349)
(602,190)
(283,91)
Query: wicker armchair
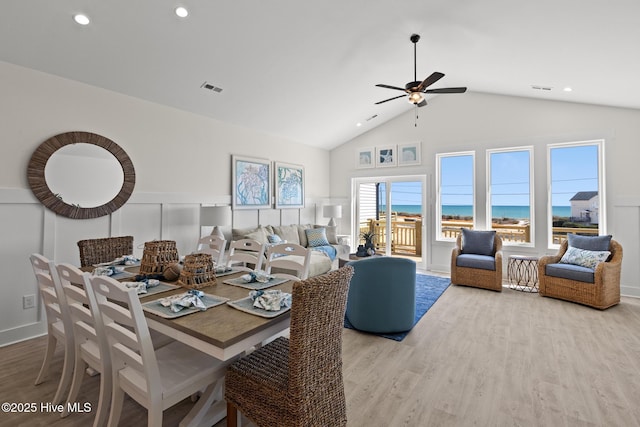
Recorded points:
(603,293)
(297,381)
(96,251)
(478,277)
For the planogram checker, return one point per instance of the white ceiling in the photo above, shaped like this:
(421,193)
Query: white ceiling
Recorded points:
(307,71)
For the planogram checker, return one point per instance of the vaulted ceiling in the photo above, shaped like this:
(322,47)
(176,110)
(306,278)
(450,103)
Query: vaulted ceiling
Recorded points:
(307,71)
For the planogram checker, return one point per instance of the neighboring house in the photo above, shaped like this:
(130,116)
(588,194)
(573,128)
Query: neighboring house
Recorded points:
(584,206)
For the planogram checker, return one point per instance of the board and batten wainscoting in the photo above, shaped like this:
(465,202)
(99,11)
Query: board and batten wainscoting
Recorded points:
(27,226)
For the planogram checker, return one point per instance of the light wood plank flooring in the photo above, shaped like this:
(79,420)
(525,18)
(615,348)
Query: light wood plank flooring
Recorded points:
(476,358)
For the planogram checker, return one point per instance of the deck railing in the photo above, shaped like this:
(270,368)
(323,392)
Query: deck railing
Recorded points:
(508,232)
(407,234)
(560,233)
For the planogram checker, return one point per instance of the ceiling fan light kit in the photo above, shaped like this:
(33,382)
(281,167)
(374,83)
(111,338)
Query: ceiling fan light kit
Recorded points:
(415,98)
(414,90)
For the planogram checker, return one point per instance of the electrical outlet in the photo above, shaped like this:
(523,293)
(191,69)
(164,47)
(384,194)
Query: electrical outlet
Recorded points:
(28,301)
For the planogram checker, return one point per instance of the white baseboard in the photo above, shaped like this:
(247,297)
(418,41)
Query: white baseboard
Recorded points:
(22,333)
(628,291)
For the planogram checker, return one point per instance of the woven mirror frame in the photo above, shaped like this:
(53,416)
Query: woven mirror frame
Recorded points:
(38,184)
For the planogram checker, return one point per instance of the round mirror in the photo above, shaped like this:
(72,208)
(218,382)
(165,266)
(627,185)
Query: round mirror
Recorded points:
(81,175)
(103,175)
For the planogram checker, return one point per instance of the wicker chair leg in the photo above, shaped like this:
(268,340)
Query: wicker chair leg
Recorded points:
(232,415)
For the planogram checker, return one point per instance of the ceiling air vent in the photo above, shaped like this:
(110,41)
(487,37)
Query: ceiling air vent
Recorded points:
(539,87)
(211,87)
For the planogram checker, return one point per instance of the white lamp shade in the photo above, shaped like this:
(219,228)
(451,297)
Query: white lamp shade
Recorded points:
(332,211)
(215,216)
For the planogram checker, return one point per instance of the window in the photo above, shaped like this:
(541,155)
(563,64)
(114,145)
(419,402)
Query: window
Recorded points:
(510,198)
(456,206)
(576,184)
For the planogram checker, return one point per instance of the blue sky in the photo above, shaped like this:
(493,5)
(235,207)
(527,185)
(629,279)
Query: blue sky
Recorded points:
(406,193)
(573,169)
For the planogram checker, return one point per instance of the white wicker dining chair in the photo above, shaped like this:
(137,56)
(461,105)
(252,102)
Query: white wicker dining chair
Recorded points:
(245,251)
(213,245)
(289,256)
(59,329)
(90,342)
(156,379)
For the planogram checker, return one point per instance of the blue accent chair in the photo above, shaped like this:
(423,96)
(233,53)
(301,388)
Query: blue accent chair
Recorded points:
(598,287)
(382,294)
(476,260)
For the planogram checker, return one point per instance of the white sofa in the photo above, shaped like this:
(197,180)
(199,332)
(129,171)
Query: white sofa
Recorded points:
(295,233)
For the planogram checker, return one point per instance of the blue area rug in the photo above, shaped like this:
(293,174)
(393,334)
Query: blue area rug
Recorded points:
(428,290)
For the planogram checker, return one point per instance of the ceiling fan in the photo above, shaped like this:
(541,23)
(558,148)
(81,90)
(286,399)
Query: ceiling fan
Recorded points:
(415,89)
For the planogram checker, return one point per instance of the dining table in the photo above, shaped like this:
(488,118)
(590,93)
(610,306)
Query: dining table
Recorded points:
(222,331)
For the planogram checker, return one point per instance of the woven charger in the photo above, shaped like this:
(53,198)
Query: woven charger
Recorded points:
(197,272)
(158,255)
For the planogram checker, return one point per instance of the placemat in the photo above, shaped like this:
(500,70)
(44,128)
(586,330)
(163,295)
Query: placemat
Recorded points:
(122,275)
(255,286)
(162,287)
(226,273)
(246,305)
(158,309)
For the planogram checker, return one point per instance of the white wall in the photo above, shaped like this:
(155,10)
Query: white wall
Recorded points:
(181,160)
(476,121)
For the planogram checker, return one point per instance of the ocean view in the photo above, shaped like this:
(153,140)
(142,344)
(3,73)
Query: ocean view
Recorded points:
(515,212)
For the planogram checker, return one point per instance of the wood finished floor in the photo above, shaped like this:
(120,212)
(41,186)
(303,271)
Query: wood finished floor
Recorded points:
(477,358)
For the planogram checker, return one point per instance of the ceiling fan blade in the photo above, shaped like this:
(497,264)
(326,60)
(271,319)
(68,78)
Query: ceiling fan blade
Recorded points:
(391,87)
(434,77)
(422,104)
(391,99)
(447,90)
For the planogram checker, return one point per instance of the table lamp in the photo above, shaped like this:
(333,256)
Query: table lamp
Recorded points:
(332,211)
(216,216)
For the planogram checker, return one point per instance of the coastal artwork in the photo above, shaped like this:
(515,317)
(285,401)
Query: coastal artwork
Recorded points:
(365,158)
(386,156)
(289,185)
(409,154)
(251,181)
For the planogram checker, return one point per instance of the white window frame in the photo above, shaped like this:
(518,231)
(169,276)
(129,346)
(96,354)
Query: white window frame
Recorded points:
(602,222)
(439,157)
(388,180)
(489,206)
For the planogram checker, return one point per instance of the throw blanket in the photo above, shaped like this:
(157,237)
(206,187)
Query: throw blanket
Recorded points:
(328,249)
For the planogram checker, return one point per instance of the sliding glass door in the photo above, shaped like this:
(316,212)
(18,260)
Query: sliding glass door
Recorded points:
(392,208)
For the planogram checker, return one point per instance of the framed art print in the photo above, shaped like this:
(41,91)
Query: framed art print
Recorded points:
(386,156)
(251,181)
(289,182)
(409,154)
(365,158)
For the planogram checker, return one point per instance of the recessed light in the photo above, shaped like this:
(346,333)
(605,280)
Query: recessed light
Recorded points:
(182,12)
(358,124)
(81,19)
(567,89)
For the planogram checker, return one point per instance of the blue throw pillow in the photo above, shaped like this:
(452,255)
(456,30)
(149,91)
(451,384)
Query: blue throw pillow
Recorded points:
(589,243)
(477,242)
(274,238)
(316,237)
